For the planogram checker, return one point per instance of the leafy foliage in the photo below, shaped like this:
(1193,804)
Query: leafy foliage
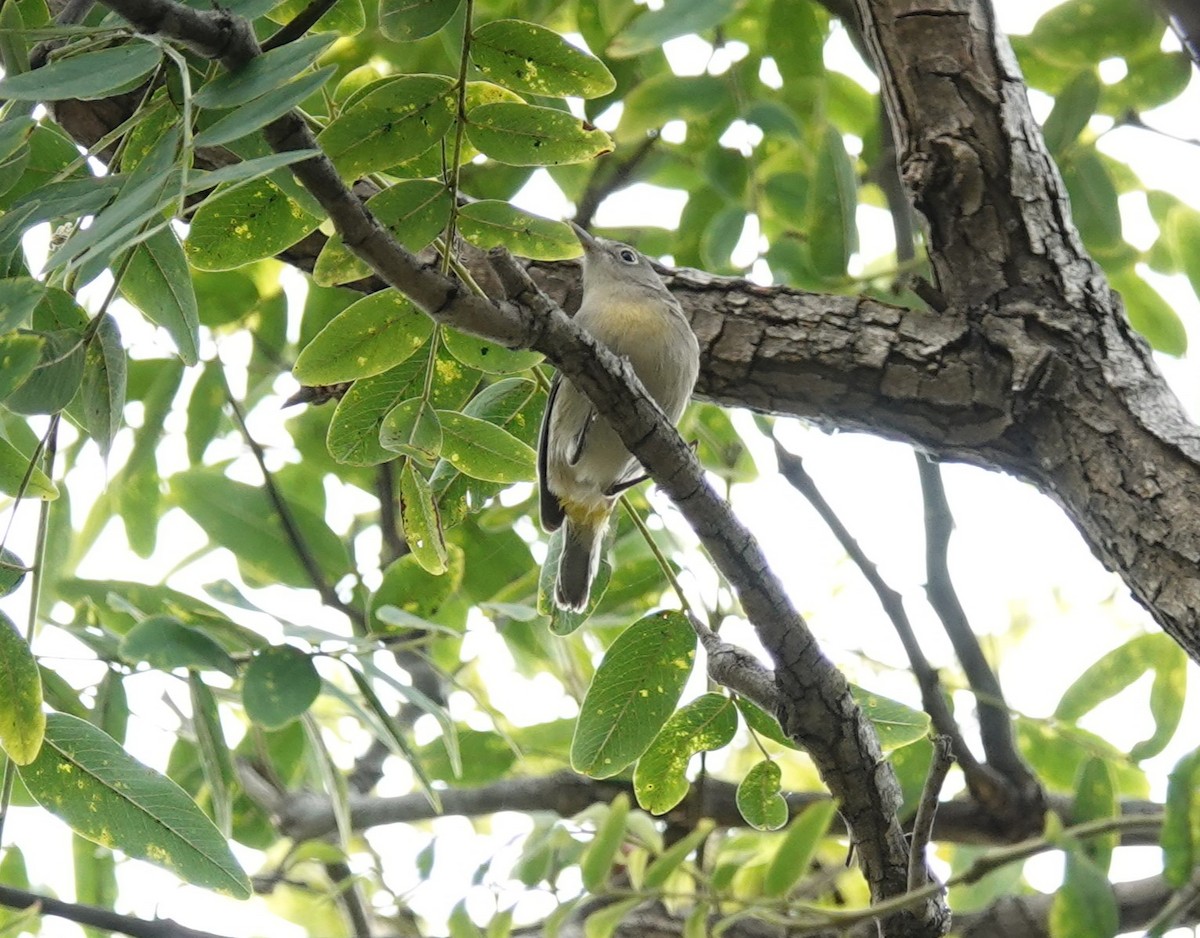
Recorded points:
(153,346)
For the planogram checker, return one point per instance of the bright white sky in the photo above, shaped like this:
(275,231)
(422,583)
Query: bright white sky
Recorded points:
(1015,555)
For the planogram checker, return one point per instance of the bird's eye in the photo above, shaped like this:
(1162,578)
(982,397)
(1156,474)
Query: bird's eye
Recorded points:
(628,256)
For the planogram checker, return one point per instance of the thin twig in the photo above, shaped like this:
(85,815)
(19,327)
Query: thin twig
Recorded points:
(603,184)
(922,831)
(791,467)
(995,726)
(99,918)
(291,530)
(394,544)
(301,23)
(346,887)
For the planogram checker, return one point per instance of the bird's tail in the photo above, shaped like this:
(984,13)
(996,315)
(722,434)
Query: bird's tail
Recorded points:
(580,558)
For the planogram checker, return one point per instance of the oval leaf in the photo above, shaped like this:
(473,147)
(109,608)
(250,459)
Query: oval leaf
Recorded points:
(402,118)
(660,780)
(484,451)
(527,57)
(896,724)
(367,338)
(252,222)
(759,799)
(408,20)
(279,686)
(528,135)
(104,794)
(422,523)
(632,694)
(22,721)
(412,429)
(486,357)
(490,223)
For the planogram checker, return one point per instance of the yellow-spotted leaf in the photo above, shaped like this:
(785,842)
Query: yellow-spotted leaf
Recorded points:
(414,210)
(633,692)
(367,338)
(412,429)
(483,450)
(246,224)
(104,794)
(527,57)
(397,120)
(422,524)
(528,135)
(490,223)
(759,800)
(486,356)
(660,780)
(22,720)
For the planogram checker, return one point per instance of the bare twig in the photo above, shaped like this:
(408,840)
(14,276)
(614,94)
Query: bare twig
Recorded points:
(299,24)
(291,530)
(606,181)
(995,725)
(99,918)
(922,830)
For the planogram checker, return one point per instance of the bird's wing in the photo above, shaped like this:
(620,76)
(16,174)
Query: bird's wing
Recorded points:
(551,508)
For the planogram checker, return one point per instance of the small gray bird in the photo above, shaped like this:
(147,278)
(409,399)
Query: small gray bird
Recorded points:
(582,464)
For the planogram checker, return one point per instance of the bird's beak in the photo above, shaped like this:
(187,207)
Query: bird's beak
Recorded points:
(590,245)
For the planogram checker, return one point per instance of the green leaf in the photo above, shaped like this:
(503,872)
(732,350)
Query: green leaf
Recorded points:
(658,872)
(832,203)
(487,357)
(660,779)
(603,922)
(1149,313)
(483,450)
(22,720)
(20,353)
(1180,837)
(795,853)
(56,378)
(528,135)
(483,757)
(422,523)
(414,590)
(528,57)
(242,518)
(87,76)
(1117,670)
(354,430)
(261,111)
(111,709)
(414,210)
(409,20)
(102,394)
(201,181)
(165,643)
(279,686)
(13,467)
(634,691)
(12,572)
(721,236)
(489,223)
(1096,799)
(239,226)
(262,74)
(597,860)
(412,429)
(1084,906)
(1082,31)
(215,757)
(667,97)
(896,724)
(795,39)
(759,800)
(18,298)
(346,18)
(367,338)
(396,121)
(1073,108)
(675,18)
(82,776)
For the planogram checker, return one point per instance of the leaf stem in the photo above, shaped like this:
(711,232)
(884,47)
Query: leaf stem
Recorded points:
(460,126)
